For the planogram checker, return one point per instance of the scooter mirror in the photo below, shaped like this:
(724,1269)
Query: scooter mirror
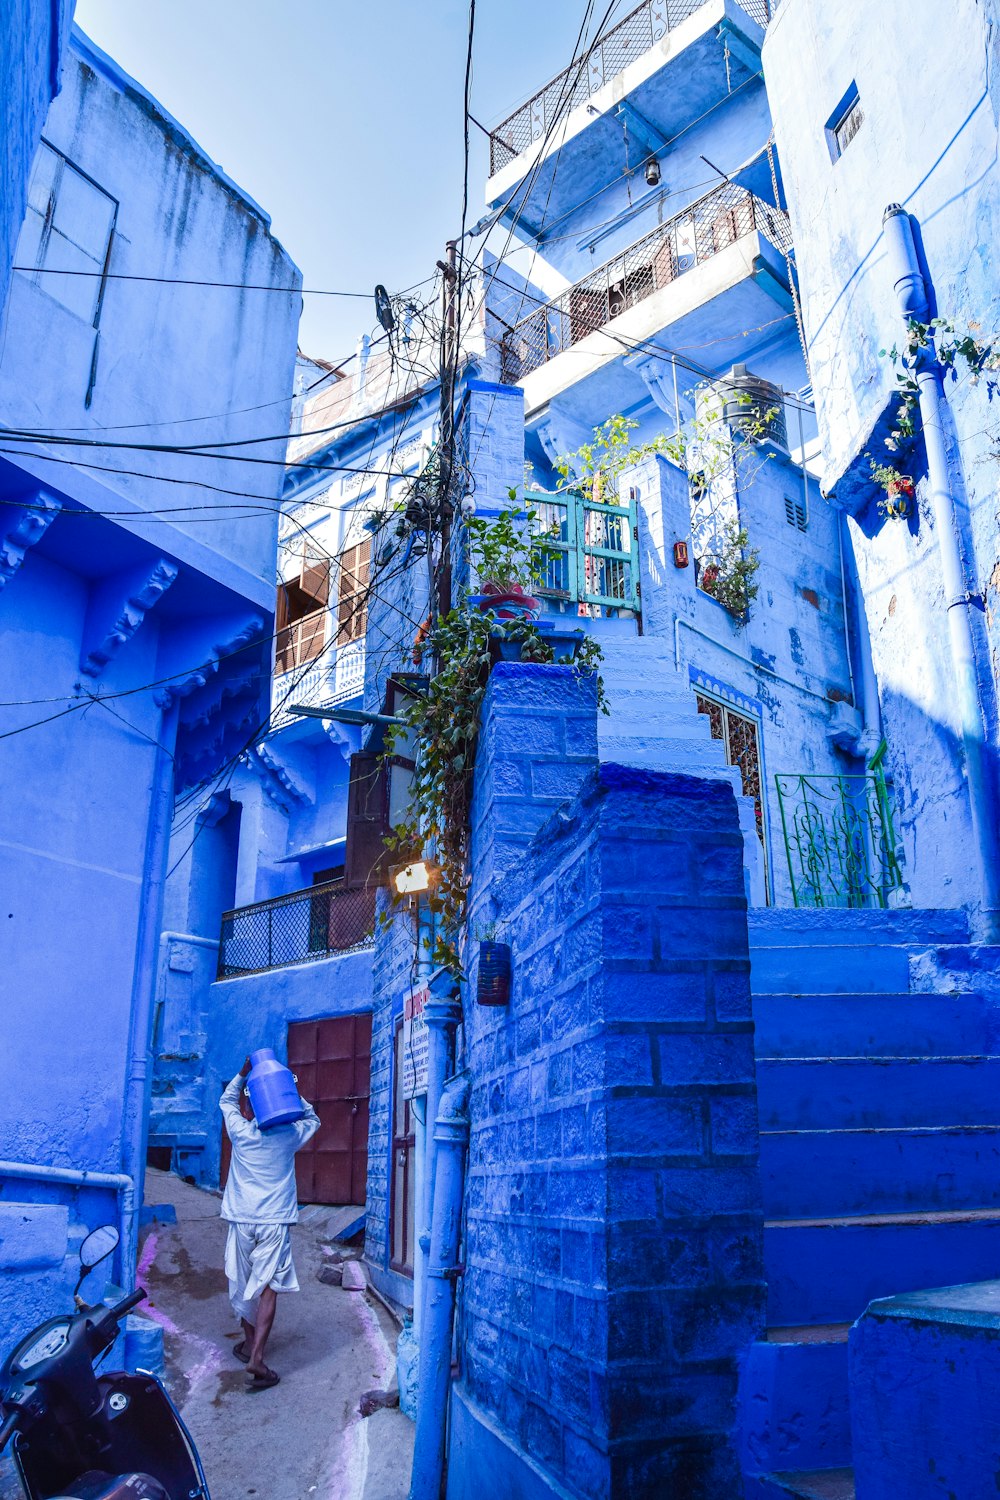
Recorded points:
(98,1246)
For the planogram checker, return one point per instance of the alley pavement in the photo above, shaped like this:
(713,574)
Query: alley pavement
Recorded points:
(305,1439)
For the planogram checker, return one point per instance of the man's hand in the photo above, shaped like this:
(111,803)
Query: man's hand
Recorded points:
(245,1068)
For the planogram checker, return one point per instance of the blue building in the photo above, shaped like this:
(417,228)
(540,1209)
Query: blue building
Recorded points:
(854,141)
(137,613)
(652,276)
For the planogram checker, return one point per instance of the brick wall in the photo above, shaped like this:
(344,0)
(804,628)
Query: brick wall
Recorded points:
(614,1223)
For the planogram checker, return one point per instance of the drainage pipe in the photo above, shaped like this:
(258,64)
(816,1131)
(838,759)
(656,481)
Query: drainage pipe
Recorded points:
(451,1134)
(118,1182)
(135,1131)
(442,1012)
(913,296)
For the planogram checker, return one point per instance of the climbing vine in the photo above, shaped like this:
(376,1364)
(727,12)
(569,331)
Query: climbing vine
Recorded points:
(958,354)
(443,720)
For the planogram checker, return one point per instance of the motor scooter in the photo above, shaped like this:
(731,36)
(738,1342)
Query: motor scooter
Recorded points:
(83,1435)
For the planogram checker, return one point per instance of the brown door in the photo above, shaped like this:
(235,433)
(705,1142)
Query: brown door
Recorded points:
(332,1060)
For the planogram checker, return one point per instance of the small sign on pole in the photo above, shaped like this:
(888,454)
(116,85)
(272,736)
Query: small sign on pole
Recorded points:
(415,1042)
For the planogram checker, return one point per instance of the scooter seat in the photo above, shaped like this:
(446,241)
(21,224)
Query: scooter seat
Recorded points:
(98,1486)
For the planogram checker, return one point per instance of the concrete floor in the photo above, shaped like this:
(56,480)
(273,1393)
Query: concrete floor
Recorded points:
(305,1437)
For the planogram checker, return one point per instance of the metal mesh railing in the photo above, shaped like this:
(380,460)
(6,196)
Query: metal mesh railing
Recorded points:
(840,840)
(707,226)
(641,29)
(295,929)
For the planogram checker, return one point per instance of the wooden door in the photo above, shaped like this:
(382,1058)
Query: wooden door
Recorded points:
(331,1058)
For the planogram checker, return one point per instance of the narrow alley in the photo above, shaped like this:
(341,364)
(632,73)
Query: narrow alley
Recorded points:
(305,1437)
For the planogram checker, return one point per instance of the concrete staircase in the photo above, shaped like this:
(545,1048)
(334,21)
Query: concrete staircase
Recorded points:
(654,723)
(878,1071)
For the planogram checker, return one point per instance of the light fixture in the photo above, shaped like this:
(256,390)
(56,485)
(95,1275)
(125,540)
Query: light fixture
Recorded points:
(411,879)
(653,172)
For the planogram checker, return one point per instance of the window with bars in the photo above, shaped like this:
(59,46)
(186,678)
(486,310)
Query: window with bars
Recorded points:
(67,228)
(740,736)
(354,569)
(796,514)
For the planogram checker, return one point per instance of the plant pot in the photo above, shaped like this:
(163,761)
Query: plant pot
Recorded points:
(512,604)
(493,978)
(899,498)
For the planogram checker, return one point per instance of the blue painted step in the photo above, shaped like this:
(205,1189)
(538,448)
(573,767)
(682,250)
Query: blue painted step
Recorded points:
(809,1174)
(795,1412)
(862,1025)
(822,1484)
(828,1270)
(840,1093)
(829,970)
(787,927)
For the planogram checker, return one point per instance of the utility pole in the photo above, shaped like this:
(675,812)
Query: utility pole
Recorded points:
(446,446)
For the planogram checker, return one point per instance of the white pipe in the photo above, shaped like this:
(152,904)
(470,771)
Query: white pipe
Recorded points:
(188,937)
(135,1130)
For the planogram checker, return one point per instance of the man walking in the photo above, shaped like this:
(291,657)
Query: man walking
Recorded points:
(260,1204)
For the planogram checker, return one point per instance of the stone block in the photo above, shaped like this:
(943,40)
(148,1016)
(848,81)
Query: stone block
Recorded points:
(33,1235)
(733,1120)
(658,1126)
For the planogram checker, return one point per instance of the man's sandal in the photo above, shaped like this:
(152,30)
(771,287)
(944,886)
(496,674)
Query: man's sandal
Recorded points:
(262,1382)
(241,1352)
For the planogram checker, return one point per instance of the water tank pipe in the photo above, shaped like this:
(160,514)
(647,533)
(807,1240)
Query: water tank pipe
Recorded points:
(913,296)
(451,1135)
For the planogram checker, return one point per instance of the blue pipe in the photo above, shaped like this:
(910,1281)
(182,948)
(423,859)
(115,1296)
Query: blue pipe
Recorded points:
(442,1013)
(913,295)
(451,1136)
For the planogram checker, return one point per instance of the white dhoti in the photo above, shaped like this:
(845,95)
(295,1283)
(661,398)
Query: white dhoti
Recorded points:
(258,1256)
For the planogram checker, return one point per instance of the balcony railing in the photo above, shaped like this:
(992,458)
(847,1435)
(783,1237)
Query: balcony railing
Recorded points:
(707,226)
(641,29)
(296,929)
(840,839)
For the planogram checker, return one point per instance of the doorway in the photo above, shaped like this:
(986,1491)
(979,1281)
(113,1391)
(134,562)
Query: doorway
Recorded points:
(331,1058)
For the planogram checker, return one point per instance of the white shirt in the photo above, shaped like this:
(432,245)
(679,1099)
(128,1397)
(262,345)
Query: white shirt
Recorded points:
(261,1184)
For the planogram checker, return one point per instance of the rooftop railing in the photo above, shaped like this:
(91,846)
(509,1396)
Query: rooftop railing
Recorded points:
(707,226)
(294,929)
(641,29)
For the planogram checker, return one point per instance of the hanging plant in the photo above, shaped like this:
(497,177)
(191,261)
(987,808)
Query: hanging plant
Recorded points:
(728,576)
(444,720)
(897,499)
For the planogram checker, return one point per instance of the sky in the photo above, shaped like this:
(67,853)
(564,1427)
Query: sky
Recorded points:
(343,119)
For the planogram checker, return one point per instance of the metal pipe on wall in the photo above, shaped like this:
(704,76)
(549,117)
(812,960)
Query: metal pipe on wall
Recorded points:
(122,1185)
(451,1134)
(914,297)
(135,1131)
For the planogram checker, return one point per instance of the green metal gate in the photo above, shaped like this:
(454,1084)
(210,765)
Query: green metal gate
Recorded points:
(588,551)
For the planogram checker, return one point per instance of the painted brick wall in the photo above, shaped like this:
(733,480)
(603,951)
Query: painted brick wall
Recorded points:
(614,1222)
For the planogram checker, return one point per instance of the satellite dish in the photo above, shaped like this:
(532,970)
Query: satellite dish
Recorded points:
(383,308)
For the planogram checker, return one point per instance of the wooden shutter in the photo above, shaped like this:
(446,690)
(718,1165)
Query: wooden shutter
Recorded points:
(366,858)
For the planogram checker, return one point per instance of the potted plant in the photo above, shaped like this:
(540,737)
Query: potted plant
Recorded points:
(897,500)
(502,553)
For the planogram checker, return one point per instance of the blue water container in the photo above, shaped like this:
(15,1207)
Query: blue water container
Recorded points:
(273,1092)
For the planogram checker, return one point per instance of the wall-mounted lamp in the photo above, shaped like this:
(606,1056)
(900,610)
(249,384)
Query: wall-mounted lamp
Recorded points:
(653,172)
(414,878)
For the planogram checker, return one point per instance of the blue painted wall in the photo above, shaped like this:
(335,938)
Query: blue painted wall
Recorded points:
(928,140)
(33,35)
(613,1260)
(153,635)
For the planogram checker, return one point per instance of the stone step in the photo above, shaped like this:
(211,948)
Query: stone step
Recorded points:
(847,1025)
(798,927)
(676,754)
(794,1406)
(820,1173)
(861,969)
(812,1484)
(827,1270)
(841,1093)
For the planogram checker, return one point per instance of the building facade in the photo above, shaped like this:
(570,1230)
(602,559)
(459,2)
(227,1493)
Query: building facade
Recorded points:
(852,145)
(137,609)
